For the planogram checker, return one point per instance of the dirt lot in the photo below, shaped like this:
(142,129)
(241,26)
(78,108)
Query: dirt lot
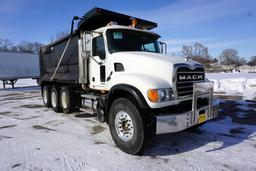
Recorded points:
(35,138)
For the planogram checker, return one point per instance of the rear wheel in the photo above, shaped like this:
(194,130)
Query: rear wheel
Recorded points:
(55,102)
(127,126)
(46,89)
(67,100)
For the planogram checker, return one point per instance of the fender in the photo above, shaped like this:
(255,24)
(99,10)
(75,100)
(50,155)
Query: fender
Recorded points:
(105,103)
(125,88)
(130,90)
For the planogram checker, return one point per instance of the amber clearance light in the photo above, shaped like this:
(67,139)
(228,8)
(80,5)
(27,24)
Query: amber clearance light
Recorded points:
(153,95)
(160,95)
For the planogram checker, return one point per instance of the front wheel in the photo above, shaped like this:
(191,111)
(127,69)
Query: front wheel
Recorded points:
(126,126)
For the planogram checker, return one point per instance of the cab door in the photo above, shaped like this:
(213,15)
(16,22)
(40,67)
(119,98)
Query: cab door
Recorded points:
(97,67)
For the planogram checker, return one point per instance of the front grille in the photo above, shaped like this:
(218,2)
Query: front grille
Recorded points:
(185,79)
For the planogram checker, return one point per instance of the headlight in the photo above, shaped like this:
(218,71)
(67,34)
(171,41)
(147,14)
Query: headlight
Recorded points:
(160,95)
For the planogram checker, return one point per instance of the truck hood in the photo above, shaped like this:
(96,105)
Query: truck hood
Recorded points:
(149,57)
(150,64)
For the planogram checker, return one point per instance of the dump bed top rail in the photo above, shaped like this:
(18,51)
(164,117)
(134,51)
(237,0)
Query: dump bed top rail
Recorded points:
(98,17)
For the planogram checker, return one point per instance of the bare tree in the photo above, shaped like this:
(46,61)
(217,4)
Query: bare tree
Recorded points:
(30,47)
(25,46)
(59,35)
(14,49)
(241,61)
(229,57)
(197,52)
(252,61)
(5,45)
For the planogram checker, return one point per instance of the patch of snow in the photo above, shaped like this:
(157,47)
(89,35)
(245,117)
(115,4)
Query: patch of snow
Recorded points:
(250,92)
(235,83)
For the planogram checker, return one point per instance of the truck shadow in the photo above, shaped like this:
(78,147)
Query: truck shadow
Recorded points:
(236,123)
(82,114)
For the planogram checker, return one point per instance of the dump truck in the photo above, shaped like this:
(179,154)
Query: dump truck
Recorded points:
(116,64)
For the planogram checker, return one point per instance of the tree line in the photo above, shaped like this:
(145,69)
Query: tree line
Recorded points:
(6,45)
(199,53)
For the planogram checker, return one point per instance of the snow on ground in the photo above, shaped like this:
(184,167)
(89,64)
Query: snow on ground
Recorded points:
(243,84)
(33,137)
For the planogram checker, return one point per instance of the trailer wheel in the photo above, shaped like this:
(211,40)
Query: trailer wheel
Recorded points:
(67,100)
(126,126)
(46,89)
(55,102)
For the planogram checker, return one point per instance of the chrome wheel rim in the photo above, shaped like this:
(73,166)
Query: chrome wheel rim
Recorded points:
(64,99)
(124,126)
(54,99)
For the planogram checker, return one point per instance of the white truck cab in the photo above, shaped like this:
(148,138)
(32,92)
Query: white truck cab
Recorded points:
(132,56)
(119,64)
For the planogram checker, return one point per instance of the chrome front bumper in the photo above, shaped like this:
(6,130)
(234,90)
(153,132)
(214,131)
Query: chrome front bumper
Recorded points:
(168,123)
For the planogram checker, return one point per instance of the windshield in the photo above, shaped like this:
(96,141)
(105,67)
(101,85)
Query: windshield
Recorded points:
(120,40)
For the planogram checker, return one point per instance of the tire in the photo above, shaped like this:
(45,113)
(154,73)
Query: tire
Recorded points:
(55,99)
(67,100)
(127,126)
(46,89)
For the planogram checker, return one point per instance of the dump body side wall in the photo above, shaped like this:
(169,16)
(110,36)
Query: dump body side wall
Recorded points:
(68,71)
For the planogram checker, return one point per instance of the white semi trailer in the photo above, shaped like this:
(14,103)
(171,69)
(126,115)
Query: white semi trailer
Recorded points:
(115,61)
(14,66)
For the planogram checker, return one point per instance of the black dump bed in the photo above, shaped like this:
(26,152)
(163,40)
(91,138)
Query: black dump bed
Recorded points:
(50,55)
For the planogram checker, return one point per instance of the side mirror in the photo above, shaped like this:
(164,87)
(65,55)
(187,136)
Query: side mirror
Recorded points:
(87,44)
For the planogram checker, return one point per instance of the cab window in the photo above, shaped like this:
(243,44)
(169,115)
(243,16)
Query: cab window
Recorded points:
(150,47)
